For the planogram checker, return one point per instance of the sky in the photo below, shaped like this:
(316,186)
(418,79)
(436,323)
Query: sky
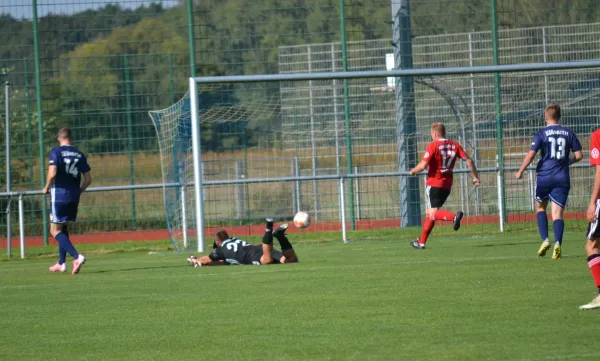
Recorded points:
(22,8)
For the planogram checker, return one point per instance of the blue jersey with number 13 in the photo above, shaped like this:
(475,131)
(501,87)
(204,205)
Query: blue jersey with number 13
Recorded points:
(70,163)
(555,144)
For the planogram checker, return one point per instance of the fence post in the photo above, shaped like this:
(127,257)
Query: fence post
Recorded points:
(184,216)
(344,48)
(171,79)
(357,194)
(8,178)
(191,37)
(406,122)
(239,194)
(531,189)
(474,139)
(298,190)
(28,116)
(21,227)
(338,155)
(38,92)
(313,141)
(130,138)
(545,50)
(342,199)
(499,125)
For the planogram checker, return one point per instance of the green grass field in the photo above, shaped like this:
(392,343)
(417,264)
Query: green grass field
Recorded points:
(464,298)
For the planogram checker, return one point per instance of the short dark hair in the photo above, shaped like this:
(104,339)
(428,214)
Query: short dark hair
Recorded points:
(64,133)
(553,111)
(222,235)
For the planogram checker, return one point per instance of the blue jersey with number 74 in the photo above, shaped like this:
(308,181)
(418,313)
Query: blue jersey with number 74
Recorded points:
(555,144)
(70,164)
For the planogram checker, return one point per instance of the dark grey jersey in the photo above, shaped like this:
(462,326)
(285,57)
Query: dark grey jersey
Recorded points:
(234,251)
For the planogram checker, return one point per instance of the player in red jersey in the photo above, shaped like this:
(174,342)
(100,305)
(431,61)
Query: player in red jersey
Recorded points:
(592,247)
(439,159)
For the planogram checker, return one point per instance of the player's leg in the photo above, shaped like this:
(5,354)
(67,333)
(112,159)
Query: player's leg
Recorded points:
(61,265)
(267,245)
(63,213)
(559,197)
(542,195)
(592,250)
(430,199)
(288,253)
(438,214)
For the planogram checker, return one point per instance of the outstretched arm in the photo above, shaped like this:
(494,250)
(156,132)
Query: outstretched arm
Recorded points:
(206,261)
(473,170)
(526,162)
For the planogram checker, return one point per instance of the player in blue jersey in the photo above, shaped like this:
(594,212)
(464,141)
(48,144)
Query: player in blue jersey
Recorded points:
(555,143)
(67,167)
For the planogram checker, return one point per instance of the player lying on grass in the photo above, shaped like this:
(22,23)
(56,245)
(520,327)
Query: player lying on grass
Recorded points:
(555,143)
(439,160)
(230,250)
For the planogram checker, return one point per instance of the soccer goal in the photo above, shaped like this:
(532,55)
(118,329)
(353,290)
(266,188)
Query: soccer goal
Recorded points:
(238,149)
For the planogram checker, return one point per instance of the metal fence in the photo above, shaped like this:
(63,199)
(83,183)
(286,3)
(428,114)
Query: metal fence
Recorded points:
(99,66)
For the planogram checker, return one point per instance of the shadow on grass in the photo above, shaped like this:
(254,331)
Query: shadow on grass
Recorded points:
(139,269)
(506,244)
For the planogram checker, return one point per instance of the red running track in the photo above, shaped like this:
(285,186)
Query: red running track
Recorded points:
(257,230)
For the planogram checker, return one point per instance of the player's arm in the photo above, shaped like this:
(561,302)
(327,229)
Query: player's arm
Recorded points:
(424,163)
(473,170)
(470,164)
(49,178)
(87,180)
(577,150)
(420,167)
(595,161)
(206,261)
(578,156)
(526,162)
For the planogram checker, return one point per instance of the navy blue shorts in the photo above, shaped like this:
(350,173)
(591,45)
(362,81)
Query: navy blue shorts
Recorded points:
(63,212)
(557,194)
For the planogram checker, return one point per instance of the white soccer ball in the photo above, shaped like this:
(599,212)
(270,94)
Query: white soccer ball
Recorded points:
(301,220)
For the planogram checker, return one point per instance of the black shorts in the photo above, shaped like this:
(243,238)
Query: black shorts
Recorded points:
(436,197)
(254,257)
(593,231)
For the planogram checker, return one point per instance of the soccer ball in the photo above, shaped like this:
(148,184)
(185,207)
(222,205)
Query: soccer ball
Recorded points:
(301,220)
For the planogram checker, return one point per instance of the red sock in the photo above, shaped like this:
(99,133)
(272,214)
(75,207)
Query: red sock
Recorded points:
(442,215)
(427,228)
(594,264)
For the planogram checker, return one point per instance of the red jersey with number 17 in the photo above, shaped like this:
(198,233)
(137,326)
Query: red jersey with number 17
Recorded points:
(442,155)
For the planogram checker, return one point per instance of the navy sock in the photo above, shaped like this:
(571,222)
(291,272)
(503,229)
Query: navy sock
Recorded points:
(65,243)
(62,255)
(559,229)
(542,221)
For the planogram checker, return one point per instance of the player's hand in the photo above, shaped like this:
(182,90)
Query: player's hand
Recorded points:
(591,213)
(476,182)
(412,172)
(45,190)
(518,175)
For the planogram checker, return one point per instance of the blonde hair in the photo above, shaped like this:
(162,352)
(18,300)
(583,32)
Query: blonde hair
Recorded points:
(439,128)
(553,111)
